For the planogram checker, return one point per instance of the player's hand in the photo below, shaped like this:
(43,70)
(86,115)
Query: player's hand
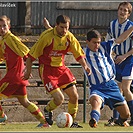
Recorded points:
(27,75)
(46,23)
(88,70)
(119,59)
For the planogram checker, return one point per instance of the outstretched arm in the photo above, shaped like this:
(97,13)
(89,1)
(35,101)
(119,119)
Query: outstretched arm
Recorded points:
(124,36)
(121,58)
(121,39)
(46,23)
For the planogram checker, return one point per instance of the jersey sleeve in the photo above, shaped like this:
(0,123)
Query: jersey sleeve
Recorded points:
(17,46)
(37,49)
(76,49)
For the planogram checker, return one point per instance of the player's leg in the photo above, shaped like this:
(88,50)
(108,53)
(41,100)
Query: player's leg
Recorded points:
(57,100)
(96,103)
(124,115)
(128,96)
(115,112)
(21,95)
(127,77)
(3,116)
(72,93)
(33,109)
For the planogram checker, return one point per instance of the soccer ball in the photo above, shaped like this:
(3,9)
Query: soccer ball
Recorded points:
(63,120)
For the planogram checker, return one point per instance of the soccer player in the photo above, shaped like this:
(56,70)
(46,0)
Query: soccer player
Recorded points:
(123,55)
(50,49)
(13,52)
(103,88)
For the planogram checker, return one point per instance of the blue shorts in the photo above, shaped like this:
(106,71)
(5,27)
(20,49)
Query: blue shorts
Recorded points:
(109,93)
(125,69)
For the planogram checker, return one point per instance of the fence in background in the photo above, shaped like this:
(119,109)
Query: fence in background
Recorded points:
(27,17)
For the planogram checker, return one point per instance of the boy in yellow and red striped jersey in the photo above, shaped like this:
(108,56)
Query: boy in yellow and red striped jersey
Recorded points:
(13,52)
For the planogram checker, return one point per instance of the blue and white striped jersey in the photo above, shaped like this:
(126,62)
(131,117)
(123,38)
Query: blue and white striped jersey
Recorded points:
(115,30)
(101,63)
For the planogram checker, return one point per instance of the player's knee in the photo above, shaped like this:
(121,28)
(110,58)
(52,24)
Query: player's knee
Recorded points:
(74,98)
(125,114)
(59,99)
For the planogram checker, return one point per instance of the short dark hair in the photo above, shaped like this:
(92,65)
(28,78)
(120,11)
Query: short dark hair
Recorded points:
(92,33)
(62,19)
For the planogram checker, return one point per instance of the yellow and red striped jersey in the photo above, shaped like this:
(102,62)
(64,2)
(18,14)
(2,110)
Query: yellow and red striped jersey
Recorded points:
(12,52)
(51,48)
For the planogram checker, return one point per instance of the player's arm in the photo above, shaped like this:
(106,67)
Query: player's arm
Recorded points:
(124,36)
(121,39)
(46,23)
(28,69)
(121,58)
(84,65)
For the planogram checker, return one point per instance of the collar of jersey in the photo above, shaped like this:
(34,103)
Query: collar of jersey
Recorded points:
(6,34)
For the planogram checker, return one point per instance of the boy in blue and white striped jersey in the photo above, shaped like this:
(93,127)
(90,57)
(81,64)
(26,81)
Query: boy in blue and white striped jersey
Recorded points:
(124,54)
(103,88)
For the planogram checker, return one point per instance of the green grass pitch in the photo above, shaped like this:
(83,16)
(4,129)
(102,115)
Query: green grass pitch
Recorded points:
(31,127)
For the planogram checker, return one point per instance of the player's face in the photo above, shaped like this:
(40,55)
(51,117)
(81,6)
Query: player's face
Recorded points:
(62,28)
(94,44)
(4,28)
(123,12)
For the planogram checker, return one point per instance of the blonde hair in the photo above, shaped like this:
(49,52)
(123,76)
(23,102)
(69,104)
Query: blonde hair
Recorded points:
(5,18)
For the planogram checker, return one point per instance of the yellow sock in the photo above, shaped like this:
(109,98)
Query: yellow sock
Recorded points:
(35,111)
(72,109)
(51,106)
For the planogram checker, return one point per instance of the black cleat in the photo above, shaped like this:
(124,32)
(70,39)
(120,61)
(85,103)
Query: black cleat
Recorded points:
(93,123)
(48,117)
(110,122)
(76,125)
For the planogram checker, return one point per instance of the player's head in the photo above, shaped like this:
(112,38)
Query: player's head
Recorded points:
(124,10)
(62,24)
(4,25)
(93,40)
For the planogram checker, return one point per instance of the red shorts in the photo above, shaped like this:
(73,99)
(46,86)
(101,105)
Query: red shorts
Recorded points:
(14,90)
(13,86)
(57,77)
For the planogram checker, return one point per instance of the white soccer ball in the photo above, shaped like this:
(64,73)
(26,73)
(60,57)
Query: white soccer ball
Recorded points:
(63,120)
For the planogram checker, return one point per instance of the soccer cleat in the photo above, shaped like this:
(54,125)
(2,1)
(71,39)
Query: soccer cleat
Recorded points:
(110,122)
(3,118)
(48,117)
(76,125)
(93,123)
(41,125)
(124,124)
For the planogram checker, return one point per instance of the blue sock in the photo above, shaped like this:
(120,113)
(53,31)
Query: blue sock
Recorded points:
(130,105)
(94,114)
(115,114)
